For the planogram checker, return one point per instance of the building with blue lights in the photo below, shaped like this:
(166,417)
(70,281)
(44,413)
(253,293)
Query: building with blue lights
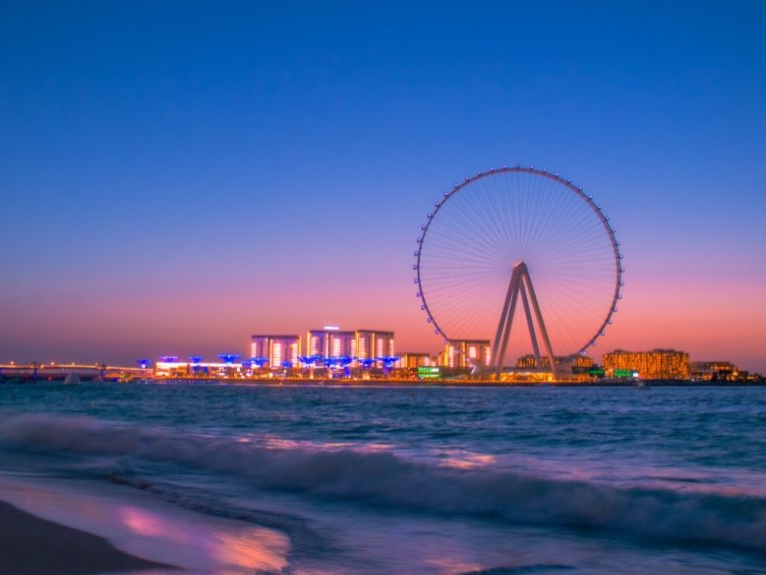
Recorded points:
(275,351)
(372,344)
(330,342)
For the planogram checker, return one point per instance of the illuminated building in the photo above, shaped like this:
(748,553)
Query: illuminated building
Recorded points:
(372,344)
(416,360)
(170,366)
(578,363)
(654,364)
(330,341)
(466,353)
(714,371)
(275,351)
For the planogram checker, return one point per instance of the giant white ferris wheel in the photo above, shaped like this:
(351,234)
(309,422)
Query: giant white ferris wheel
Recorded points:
(519,242)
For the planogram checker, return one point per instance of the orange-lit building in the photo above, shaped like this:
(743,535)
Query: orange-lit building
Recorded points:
(578,363)
(277,350)
(654,364)
(466,353)
(714,371)
(416,360)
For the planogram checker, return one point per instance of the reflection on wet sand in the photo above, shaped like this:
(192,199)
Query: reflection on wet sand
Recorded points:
(146,527)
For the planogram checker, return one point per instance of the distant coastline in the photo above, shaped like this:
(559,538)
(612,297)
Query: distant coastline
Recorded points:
(377,383)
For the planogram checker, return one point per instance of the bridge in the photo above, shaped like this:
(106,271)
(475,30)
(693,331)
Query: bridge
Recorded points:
(37,371)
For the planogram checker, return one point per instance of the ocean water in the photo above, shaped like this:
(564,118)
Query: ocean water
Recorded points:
(405,480)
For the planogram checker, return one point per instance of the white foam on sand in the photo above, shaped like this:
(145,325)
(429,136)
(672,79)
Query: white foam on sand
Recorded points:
(142,525)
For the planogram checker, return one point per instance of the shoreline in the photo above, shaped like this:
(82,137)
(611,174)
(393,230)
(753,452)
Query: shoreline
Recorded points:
(394,383)
(30,545)
(383,383)
(57,526)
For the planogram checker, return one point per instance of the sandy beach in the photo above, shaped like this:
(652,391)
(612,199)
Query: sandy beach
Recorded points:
(33,546)
(81,527)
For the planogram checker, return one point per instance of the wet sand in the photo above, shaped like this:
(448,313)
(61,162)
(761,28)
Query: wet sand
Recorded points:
(33,546)
(83,527)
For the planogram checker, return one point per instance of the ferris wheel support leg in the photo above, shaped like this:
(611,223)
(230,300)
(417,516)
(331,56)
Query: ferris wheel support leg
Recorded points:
(500,345)
(531,326)
(501,323)
(521,283)
(540,323)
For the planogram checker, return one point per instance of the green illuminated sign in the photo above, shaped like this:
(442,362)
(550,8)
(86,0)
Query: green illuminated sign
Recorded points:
(623,373)
(429,372)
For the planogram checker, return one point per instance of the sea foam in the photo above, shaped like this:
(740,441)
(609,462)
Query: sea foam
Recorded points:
(387,480)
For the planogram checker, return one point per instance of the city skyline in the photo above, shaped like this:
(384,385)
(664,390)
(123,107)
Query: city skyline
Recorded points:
(177,177)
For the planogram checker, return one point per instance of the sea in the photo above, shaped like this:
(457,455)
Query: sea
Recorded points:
(347,479)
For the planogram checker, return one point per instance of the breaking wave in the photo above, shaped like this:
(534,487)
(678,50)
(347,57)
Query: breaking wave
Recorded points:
(385,480)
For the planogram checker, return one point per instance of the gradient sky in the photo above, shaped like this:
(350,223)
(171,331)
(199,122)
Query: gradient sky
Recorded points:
(175,176)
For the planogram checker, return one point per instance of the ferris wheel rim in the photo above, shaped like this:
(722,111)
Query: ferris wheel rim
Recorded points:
(588,199)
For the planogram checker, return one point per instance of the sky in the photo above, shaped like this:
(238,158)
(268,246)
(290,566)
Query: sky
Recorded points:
(178,175)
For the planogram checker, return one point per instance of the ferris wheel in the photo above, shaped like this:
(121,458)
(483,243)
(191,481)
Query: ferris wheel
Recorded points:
(519,241)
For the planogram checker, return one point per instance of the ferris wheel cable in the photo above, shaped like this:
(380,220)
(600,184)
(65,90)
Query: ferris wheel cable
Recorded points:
(493,211)
(502,208)
(545,212)
(462,230)
(581,226)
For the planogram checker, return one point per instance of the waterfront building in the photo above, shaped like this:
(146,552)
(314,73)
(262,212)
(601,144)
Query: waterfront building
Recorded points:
(275,351)
(714,371)
(415,360)
(466,353)
(172,366)
(330,341)
(370,344)
(654,364)
(577,364)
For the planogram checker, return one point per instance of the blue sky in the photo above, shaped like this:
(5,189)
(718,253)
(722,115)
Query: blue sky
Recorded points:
(182,174)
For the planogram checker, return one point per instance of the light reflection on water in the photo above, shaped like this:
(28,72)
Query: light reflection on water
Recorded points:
(339,471)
